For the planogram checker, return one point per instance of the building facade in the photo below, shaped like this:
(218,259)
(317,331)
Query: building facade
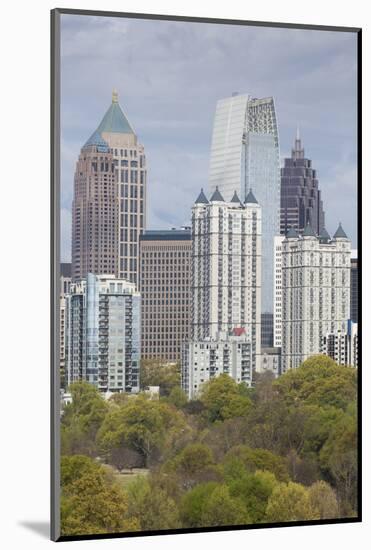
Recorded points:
(64,289)
(271,361)
(315,292)
(277,292)
(103,323)
(94,211)
(165,272)
(109,228)
(245,154)
(223,354)
(342,347)
(354,286)
(226,268)
(301,201)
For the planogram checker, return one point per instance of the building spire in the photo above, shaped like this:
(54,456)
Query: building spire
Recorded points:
(115,96)
(298,150)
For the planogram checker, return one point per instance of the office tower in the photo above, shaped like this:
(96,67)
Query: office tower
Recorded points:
(315,291)
(245,154)
(225,354)
(301,202)
(277,292)
(342,347)
(266,330)
(226,268)
(165,264)
(65,283)
(354,286)
(103,319)
(110,199)
(94,211)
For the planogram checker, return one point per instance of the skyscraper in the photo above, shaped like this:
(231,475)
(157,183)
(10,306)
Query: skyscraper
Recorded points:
(245,154)
(65,283)
(165,270)
(301,201)
(103,323)
(94,211)
(226,268)
(117,166)
(315,291)
(354,286)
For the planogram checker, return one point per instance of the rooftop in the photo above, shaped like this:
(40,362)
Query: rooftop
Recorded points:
(166,235)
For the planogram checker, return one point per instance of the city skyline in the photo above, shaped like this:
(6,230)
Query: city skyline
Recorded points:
(173,118)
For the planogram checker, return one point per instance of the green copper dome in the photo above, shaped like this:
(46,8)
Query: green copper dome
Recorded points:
(114,121)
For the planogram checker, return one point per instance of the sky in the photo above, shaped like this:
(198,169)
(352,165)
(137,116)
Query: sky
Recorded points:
(169,76)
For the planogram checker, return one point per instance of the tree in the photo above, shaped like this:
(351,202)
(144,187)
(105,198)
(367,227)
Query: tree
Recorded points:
(223,509)
(194,464)
(155,372)
(81,419)
(194,502)
(258,459)
(323,498)
(223,399)
(338,458)
(154,508)
(91,502)
(290,502)
(254,491)
(319,381)
(177,397)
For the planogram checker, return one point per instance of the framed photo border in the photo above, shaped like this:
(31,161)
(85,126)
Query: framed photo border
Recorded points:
(55,71)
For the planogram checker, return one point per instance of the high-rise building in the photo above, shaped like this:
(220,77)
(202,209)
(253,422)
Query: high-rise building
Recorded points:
(277,293)
(301,202)
(267,330)
(354,286)
(225,354)
(103,323)
(165,268)
(245,154)
(226,268)
(94,211)
(65,283)
(109,212)
(315,291)
(342,347)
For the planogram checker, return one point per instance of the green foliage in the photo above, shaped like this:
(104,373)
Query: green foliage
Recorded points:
(285,450)
(290,502)
(223,509)
(258,459)
(81,419)
(323,498)
(193,504)
(319,381)
(90,502)
(177,397)
(254,490)
(224,399)
(154,508)
(139,424)
(154,372)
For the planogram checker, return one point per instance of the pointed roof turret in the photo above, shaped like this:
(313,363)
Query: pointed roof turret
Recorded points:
(324,236)
(216,196)
(235,198)
(292,233)
(250,197)
(308,231)
(114,121)
(97,141)
(201,199)
(340,233)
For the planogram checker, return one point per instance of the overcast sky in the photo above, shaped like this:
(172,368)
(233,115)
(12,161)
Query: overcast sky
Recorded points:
(169,76)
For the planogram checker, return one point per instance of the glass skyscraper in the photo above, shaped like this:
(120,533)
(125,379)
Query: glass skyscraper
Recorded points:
(245,155)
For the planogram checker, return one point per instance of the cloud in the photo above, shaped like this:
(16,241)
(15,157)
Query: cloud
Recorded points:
(170,75)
